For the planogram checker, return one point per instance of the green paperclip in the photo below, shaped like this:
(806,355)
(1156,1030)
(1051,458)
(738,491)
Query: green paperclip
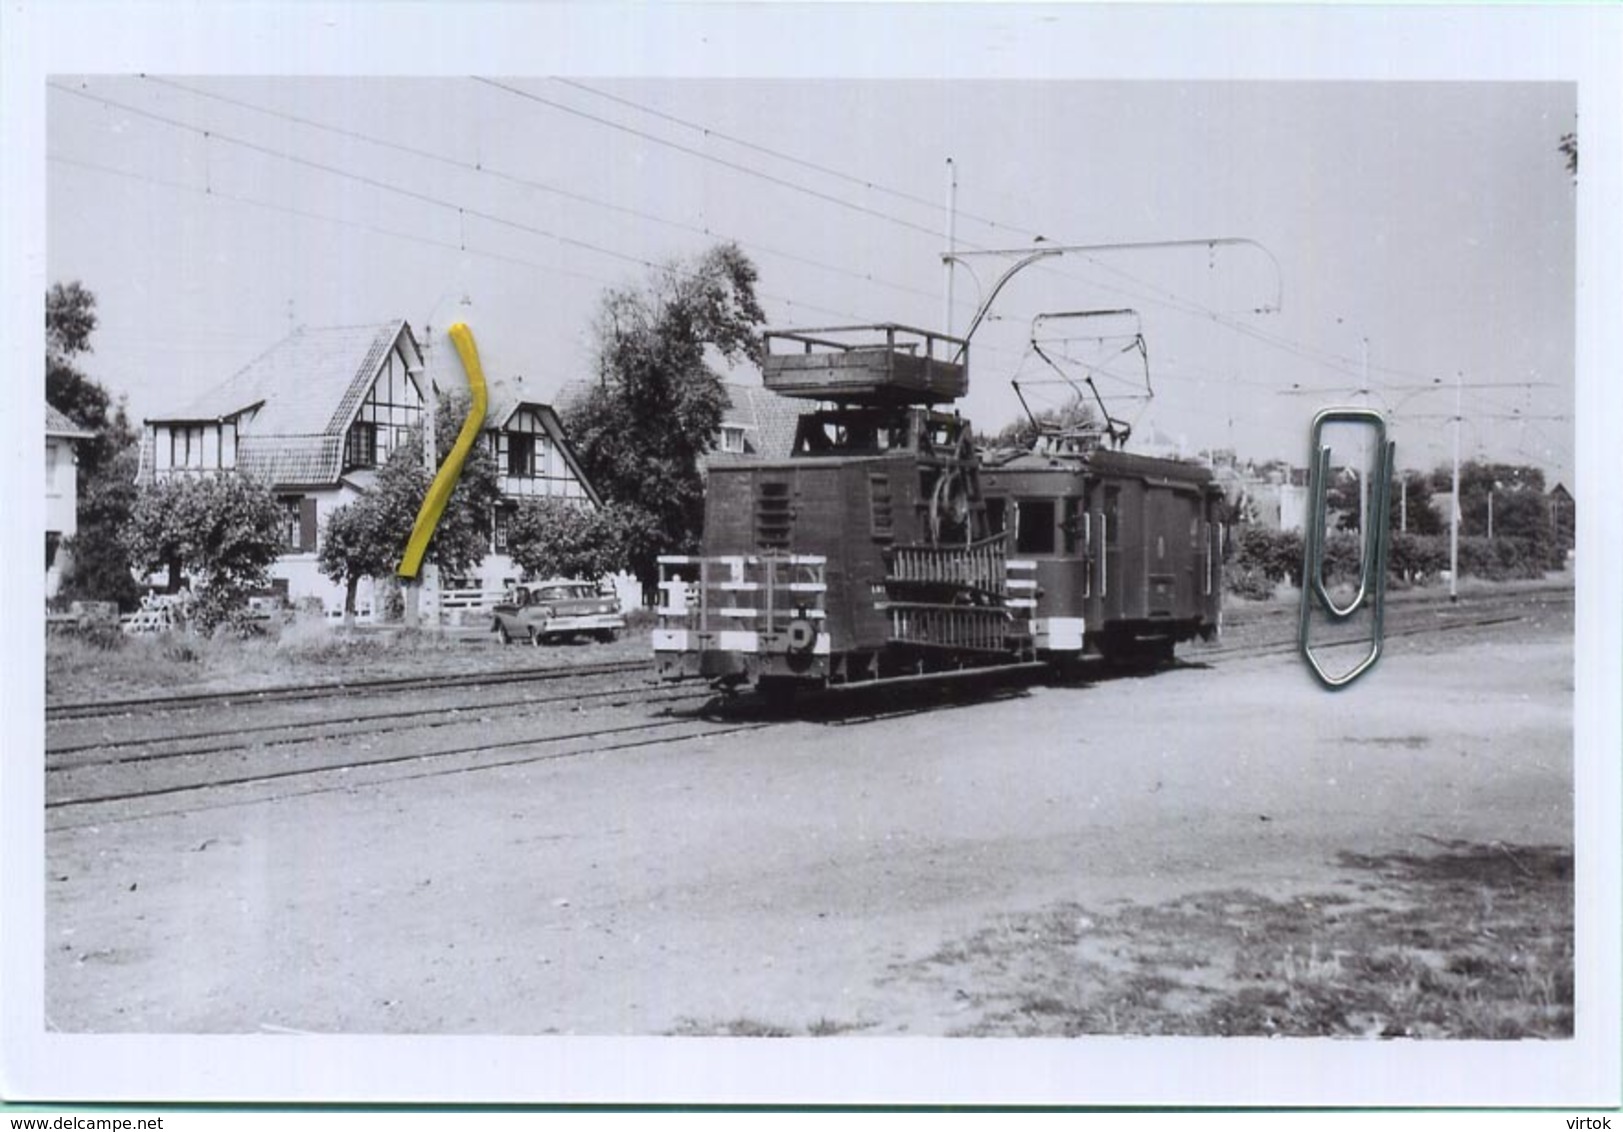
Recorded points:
(1377,539)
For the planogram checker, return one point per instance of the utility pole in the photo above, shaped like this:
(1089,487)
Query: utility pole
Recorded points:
(412,588)
(1363,480)
(1490,514)
(1454,524)
(949,259)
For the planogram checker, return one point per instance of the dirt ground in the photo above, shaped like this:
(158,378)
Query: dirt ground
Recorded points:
(866,877)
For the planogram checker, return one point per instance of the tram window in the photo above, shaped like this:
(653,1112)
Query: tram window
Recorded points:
(1036,527)
(996,517)
(1071,528)
(1112,514)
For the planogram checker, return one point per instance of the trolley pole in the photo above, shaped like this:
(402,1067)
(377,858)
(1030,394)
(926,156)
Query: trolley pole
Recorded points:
(952,240)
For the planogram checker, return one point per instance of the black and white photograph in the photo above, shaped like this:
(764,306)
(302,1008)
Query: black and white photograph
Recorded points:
(815,553)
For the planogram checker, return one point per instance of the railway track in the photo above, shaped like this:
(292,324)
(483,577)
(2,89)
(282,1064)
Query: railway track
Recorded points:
(400,685)
(168,744)
(91,778)
(1278,626)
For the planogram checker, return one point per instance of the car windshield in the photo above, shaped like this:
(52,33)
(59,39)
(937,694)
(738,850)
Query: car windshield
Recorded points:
(564,593)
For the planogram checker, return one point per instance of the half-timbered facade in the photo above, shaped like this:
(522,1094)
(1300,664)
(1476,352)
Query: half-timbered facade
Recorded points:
(314,416)
(533,460)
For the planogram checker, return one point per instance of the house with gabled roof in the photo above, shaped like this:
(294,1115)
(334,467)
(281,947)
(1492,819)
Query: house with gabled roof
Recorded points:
(62,436)
(317,414)
(533,459)
(314,416)
(756,424)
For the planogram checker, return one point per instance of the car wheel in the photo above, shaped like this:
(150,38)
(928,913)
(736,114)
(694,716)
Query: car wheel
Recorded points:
(606,636)
(507,638)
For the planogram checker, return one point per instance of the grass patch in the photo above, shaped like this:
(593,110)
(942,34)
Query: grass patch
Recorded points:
(115,665)
(1471,942)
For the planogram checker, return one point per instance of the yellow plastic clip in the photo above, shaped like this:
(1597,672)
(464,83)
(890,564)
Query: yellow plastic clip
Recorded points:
(439,492)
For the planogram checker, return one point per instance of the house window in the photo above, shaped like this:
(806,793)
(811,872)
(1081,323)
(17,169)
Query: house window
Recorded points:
(732,438)
(298,523)
(499,530)
(186,447)
(521,454)
(361,446)
(290,521)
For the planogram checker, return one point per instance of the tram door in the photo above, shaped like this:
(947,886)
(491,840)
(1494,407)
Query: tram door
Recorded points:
(1167,554)
(1111,586)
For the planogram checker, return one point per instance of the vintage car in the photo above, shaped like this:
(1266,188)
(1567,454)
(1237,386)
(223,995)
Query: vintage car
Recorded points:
(539,612)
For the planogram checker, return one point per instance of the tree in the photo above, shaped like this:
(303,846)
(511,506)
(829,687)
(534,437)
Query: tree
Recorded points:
(98,562)
(1021,433)
(1413,494)
(657,406)
(225,531)
(1569,147)
(367,538)
(99,567)
(70,319)
(358,542)
(557,538)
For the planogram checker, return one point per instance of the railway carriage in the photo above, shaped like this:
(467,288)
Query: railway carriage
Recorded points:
(1128,549)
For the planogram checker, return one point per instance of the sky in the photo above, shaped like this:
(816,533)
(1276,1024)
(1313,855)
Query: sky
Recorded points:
(1404,237)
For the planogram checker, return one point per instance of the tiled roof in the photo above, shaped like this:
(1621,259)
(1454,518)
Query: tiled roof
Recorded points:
(769,422)
(309,383)
(307,388)
(291,461)
(776,419)
(58,423)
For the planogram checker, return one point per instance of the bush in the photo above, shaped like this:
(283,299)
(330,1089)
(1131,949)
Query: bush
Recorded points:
(1250,583)
(1275,555)
(1416,556)
(1500,559)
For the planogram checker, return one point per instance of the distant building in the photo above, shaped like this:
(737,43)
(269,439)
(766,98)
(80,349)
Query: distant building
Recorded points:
(757,424)
(61,491)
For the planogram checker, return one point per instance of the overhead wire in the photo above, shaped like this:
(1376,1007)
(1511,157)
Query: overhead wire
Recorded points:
(1149,292)
(480,167)
(701,155)
(852,178)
